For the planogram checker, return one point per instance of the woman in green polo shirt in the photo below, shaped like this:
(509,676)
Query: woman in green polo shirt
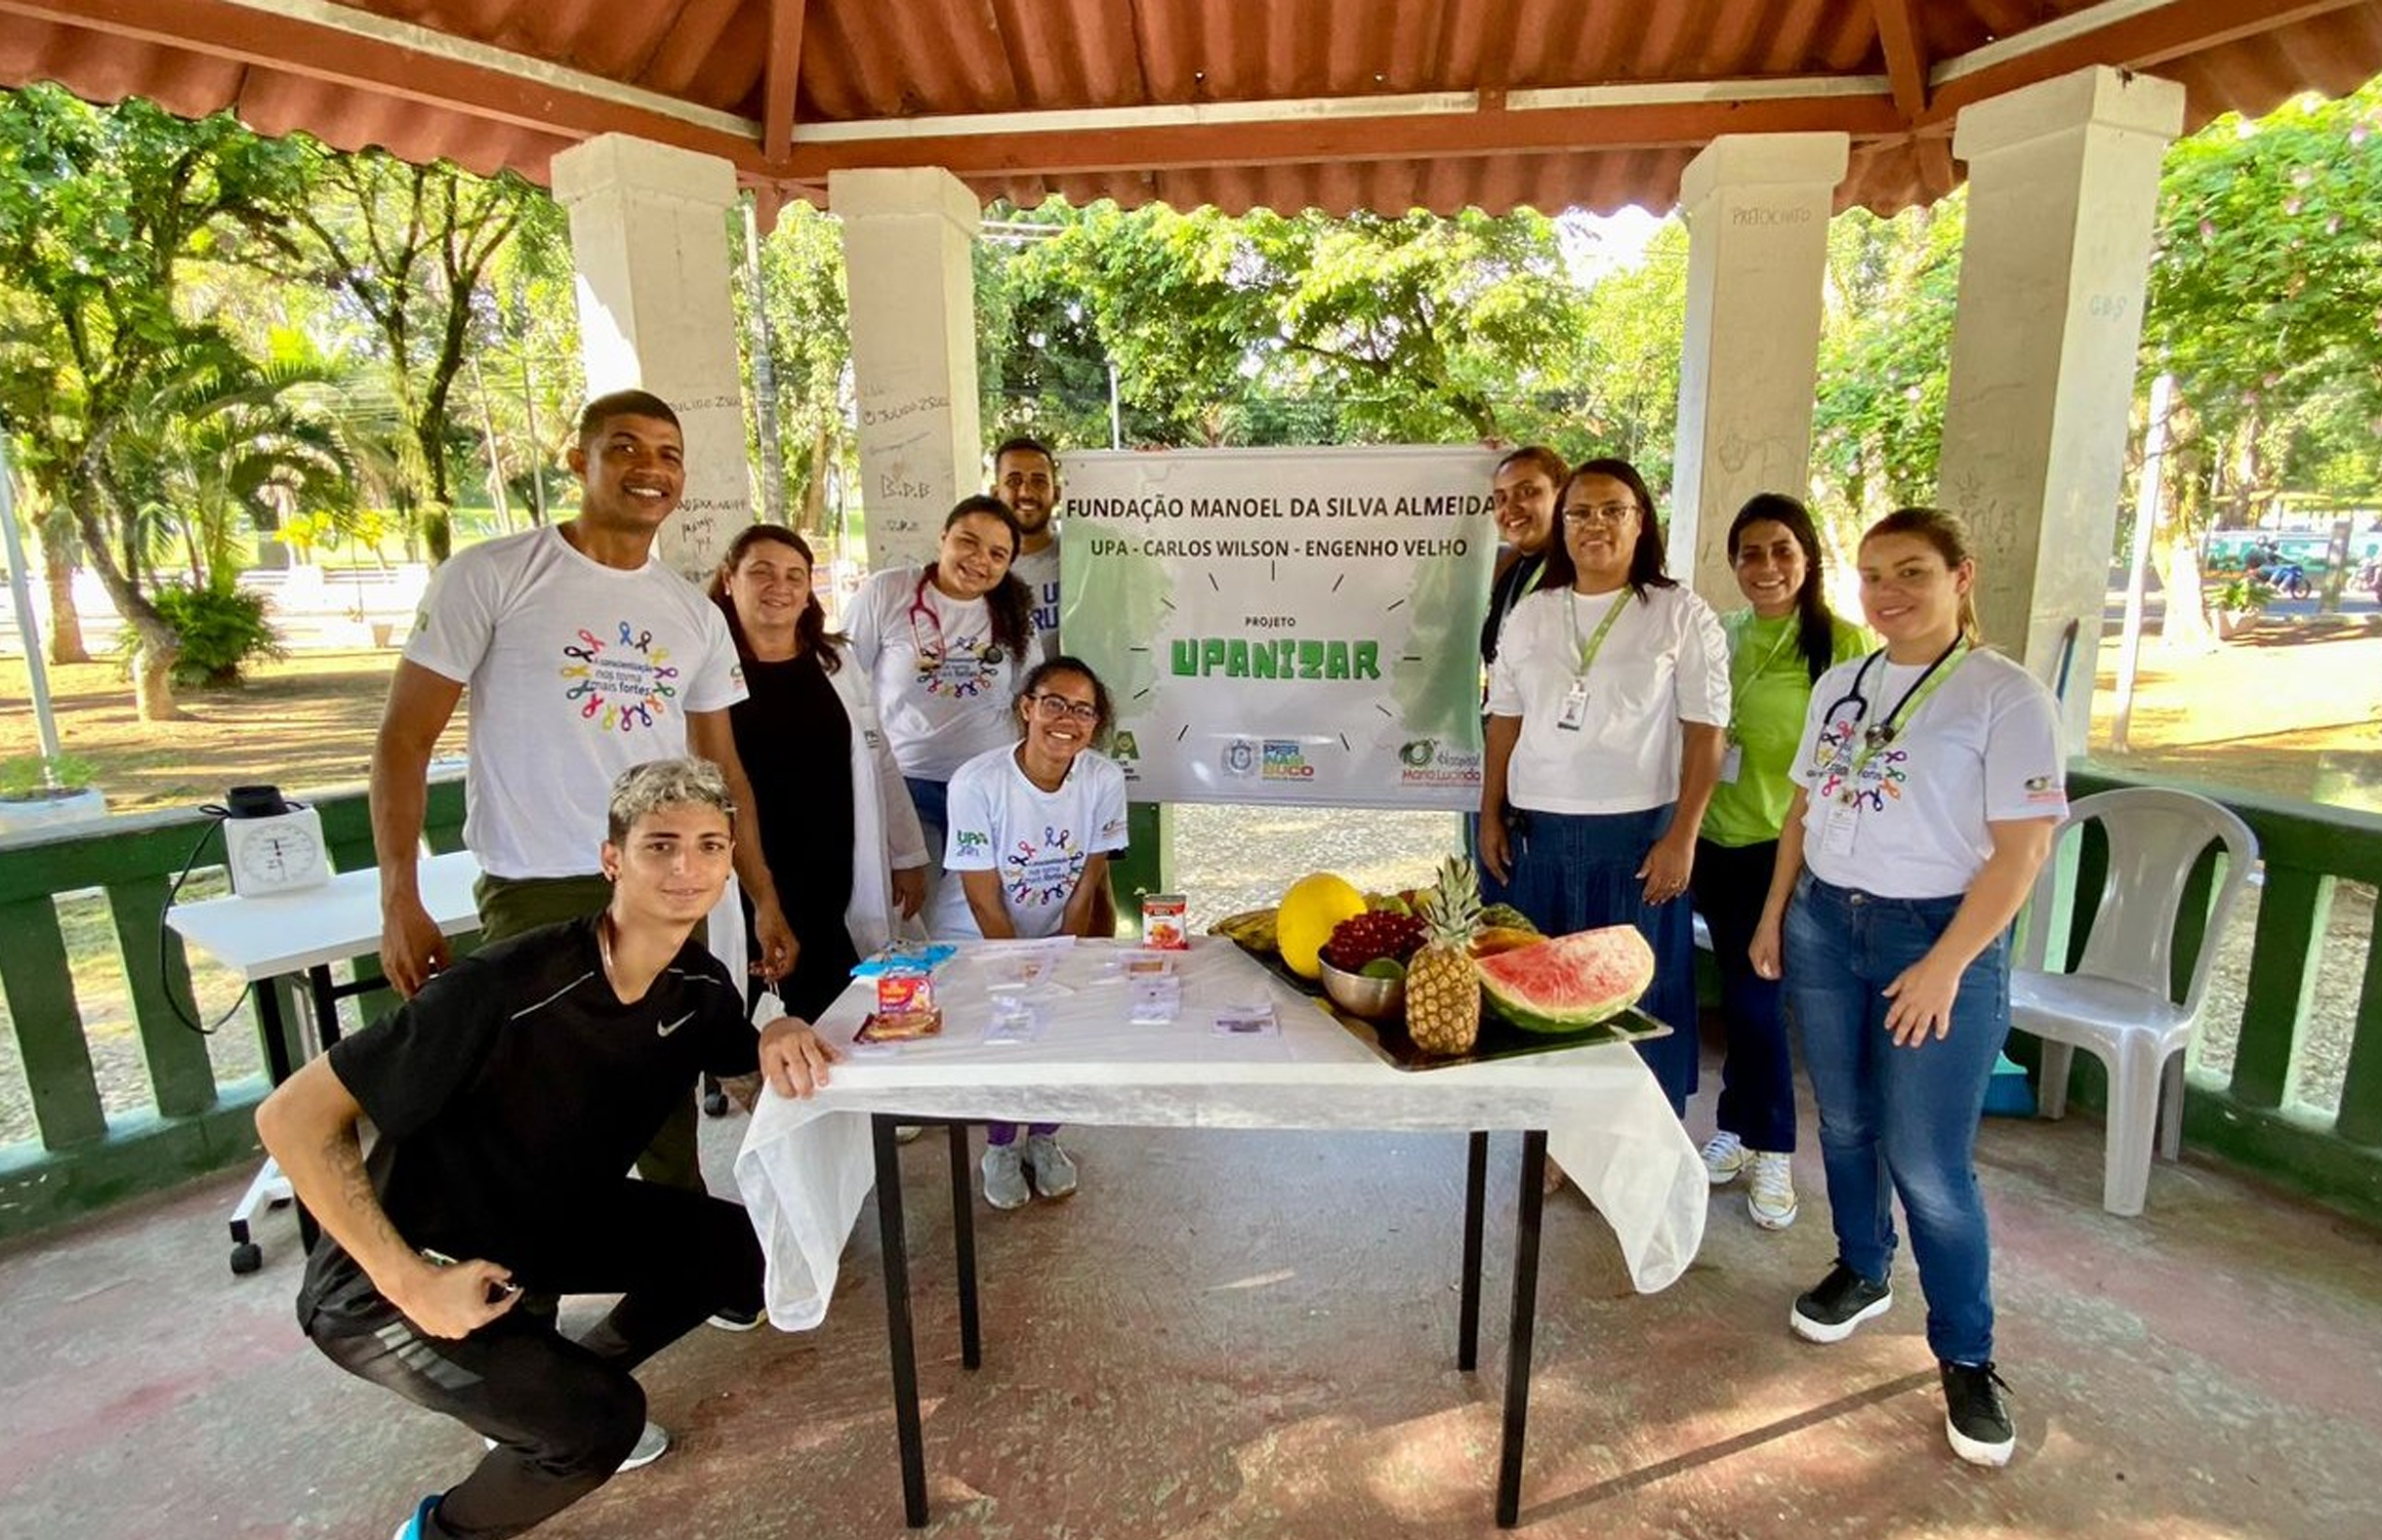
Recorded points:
(1776,649)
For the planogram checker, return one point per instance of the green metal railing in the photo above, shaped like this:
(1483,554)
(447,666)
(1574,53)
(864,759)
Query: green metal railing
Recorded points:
(2257,1112)
(83,1157)
(2254,1113)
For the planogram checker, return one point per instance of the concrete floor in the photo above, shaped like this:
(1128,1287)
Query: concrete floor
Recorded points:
(1243,1334)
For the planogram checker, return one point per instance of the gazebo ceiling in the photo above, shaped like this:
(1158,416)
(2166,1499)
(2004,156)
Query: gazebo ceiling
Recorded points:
(1285,103)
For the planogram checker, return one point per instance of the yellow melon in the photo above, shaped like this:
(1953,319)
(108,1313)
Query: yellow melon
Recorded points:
(1309,909)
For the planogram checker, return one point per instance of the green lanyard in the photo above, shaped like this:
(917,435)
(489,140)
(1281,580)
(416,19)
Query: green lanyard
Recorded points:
(1874,739)
(1738,677)
(1589,648)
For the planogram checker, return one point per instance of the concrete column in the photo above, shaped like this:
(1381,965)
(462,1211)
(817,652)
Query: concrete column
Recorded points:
(1757,207)
(649,236)
(907,241)
(2063,188)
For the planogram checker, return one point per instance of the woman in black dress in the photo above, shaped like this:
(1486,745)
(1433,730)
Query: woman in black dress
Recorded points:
(837,829)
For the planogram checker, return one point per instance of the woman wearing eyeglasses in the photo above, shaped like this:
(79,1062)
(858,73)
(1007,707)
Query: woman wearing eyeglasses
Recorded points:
(838,829)
(1928,783)
(1607,706)
(1776,649)
(1032,827)
(944,645)
(1522,500)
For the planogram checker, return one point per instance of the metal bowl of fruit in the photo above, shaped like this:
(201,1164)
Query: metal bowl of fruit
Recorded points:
(1364,963)
(1377,993)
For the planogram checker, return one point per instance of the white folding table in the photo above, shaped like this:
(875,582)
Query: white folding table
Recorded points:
(806,1166)
(284,935)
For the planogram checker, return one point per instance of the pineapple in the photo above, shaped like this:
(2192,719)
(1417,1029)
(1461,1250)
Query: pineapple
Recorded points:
(1443,988)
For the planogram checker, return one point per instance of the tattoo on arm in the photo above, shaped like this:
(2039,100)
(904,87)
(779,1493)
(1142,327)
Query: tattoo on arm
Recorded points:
(343,1153)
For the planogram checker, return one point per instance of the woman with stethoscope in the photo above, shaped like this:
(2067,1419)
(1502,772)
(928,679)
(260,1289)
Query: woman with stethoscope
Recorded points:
(945,646)
(1929,781)
(1606,708)
(1777,648)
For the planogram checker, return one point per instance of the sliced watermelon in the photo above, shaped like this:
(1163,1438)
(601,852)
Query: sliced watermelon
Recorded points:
(1570,981)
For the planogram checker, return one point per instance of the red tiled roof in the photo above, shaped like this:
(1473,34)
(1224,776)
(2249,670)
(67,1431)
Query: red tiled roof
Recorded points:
(1285,103)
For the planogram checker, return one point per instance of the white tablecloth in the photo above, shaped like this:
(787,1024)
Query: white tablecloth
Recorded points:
(806,1166)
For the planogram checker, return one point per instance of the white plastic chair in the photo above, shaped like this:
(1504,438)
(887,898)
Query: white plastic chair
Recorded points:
(2117,1003)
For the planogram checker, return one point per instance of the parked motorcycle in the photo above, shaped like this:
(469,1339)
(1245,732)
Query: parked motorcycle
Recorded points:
(2285,577)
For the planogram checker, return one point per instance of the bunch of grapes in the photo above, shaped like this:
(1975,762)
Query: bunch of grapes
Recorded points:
(1378,933)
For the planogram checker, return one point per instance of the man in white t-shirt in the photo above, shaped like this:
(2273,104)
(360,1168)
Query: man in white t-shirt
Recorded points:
(1025,478)
(583,655)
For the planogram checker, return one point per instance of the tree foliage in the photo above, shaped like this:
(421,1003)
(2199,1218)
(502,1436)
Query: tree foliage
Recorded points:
(1269,328)
(2266,303)
(408,247)
(1885,350)
(100,211)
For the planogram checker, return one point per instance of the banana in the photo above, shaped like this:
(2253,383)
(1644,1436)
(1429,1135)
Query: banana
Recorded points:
(1251,928)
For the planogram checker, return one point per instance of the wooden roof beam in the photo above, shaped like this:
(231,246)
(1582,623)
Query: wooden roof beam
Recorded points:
(2124,34)
(781,70)
(1549,129)
(1898,37)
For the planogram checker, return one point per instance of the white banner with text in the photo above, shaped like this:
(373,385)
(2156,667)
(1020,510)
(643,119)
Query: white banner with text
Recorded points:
(1295,625)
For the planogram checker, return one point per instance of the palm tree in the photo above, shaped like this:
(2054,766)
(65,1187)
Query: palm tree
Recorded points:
(222,444)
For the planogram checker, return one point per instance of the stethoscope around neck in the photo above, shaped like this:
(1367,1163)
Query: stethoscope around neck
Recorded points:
(992,656)
(1879,734)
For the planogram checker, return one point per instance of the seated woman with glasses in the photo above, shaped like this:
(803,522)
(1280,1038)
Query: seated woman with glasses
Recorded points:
(1608,705)
(943,645)
(1032,829)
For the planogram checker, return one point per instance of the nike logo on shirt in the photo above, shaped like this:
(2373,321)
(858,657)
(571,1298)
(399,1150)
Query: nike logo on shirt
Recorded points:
(667,1027)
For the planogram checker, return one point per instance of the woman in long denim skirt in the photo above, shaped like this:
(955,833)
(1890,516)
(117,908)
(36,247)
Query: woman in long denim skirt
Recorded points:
(1607,706)
(1929,781)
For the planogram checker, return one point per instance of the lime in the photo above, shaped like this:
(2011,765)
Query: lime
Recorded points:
(1383,968)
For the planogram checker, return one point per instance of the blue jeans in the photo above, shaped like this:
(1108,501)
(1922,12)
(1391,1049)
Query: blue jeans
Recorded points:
(1576,872)
(1900,1120)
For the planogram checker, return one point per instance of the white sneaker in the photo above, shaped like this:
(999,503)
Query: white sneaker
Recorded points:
(1771,1202)
(651,1447)
(1724,1156)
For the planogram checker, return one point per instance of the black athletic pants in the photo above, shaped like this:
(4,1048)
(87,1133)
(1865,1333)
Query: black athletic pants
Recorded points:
(563,1413)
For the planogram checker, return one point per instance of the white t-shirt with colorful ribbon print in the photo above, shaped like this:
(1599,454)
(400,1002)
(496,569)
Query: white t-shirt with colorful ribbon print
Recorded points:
(1983,747)
(945,688)
(575,672)
(1037,843)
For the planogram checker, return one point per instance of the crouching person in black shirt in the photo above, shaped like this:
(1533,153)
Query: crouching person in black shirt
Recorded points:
(510,1097)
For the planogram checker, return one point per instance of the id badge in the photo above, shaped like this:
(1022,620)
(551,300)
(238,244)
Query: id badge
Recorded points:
(1731,762)
(1837,828)
(1575,706)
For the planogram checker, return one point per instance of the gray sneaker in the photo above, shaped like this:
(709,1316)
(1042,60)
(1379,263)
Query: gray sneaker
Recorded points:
(1005,1176)
(1054,1172)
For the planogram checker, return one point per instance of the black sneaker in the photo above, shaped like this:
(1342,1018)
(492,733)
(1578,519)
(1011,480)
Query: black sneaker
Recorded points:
(728,1319)
(1841,1301)
(1974,1418)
